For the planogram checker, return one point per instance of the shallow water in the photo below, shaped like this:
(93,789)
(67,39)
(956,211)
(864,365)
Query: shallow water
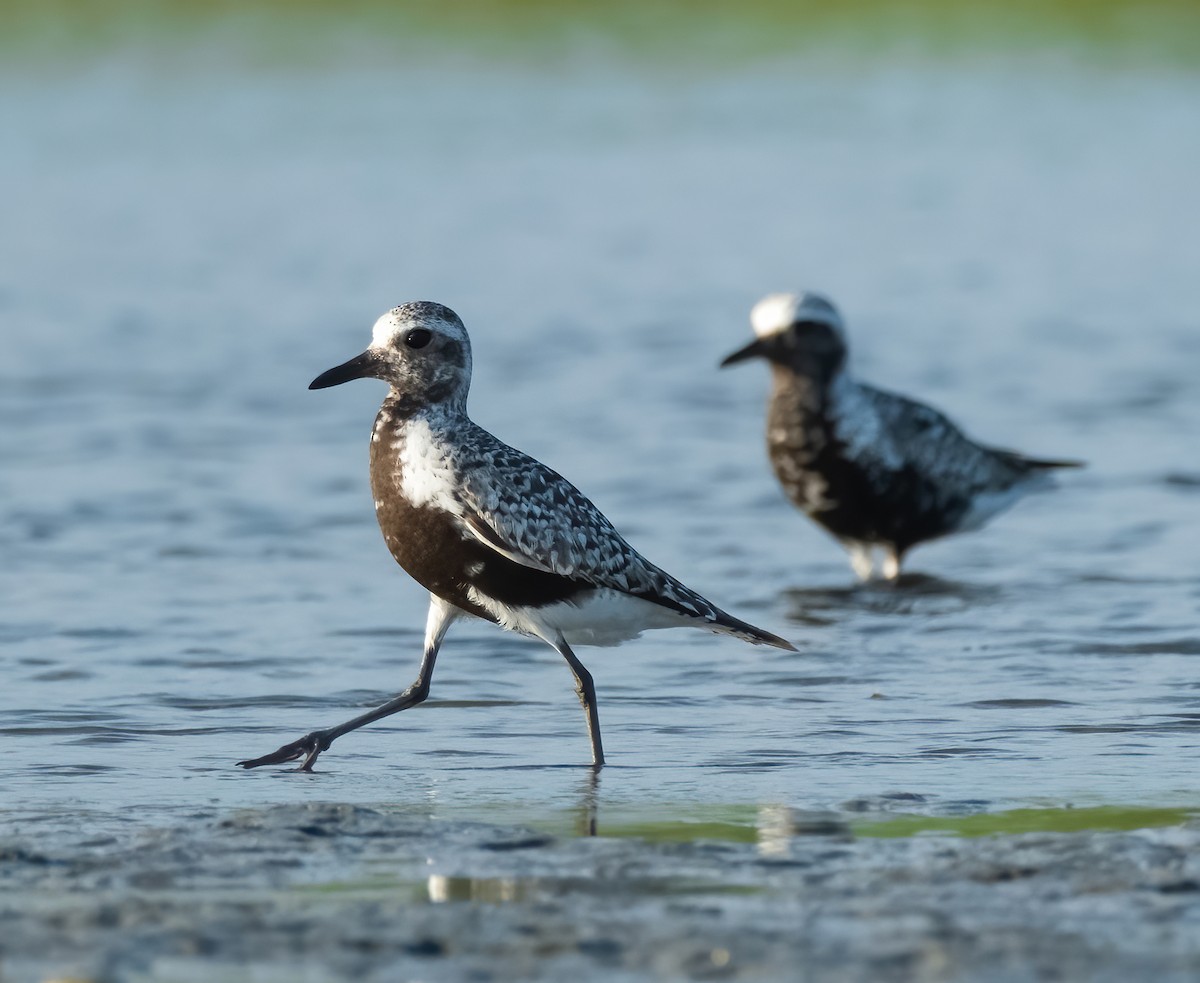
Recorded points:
(322,892)
(192,572)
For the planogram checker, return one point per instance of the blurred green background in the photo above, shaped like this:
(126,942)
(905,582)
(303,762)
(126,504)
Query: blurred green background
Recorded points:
(1166,31)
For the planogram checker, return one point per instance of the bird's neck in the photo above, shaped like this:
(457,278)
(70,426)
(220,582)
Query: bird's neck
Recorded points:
(803,390)
(400,414)
(401,406)
(802,420)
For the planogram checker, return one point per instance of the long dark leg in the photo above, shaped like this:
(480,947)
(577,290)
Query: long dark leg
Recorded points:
(587,696)
(441,616)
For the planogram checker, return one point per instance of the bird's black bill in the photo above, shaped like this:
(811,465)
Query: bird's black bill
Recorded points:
(753,350)
(360,367)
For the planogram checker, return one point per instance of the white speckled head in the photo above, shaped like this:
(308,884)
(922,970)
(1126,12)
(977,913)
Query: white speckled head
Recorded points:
(775,313)
(389,329)
(421,349)
(800,333)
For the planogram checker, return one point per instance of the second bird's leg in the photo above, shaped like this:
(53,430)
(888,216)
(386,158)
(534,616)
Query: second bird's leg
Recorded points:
(892,558)
(862,560)
(587,696)
(310,746)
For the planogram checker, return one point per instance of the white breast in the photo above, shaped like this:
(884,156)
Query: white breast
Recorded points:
(426,468)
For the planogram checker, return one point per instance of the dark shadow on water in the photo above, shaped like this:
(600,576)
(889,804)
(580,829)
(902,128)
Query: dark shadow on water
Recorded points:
(1182,481)
(911,593)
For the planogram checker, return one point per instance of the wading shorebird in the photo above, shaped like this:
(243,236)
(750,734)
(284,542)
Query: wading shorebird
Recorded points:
(877,470)
(491,532)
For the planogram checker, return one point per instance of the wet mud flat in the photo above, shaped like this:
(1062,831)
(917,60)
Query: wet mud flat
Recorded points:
(334,892)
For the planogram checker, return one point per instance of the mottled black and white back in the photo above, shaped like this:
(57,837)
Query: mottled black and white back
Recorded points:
(488,530)
(879,471)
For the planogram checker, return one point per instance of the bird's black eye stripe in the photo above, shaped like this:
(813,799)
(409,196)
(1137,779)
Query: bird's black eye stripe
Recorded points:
(418,338)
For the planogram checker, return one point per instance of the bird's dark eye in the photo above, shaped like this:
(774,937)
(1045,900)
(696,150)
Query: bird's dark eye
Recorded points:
(418,338)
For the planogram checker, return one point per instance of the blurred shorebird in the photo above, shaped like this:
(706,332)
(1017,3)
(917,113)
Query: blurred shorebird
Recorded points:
(878,471)
(488,530)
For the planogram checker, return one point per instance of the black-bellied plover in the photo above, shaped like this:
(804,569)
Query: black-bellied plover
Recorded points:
(489,531)
(878,471)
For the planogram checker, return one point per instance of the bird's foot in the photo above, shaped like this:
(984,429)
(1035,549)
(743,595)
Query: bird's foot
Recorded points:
(310,747)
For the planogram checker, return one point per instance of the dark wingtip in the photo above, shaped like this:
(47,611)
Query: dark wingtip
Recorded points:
(1020,460)
(752,634)
(756,636)
(779,643)
(1035,462)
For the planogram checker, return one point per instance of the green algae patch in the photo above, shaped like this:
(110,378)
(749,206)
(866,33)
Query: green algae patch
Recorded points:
(748,824)
(367,887)
(1097,819)
(726,823)
(772,826)
(682,831)
(762,824)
